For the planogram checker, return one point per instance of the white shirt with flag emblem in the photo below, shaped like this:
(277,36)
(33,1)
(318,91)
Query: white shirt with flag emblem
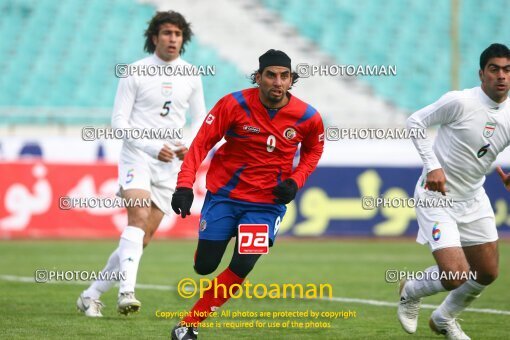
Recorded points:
(159,102)
(473,131)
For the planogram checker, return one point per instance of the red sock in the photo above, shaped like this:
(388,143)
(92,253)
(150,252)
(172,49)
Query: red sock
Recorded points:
(208,302)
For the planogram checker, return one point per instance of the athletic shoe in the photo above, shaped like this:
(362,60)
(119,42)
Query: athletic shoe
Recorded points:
(450,328)
(127,303)
(89,306)
(184,333)
(408,310)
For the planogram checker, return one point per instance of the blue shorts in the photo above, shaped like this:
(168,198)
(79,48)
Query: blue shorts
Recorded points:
(221,216)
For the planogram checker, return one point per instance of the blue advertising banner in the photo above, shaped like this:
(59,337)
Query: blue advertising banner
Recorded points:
(335,202)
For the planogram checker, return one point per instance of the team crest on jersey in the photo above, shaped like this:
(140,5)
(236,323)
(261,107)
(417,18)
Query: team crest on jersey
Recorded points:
(209,119)
(488,131)
(166,88)
(203,225)
(321,137)
(289,133)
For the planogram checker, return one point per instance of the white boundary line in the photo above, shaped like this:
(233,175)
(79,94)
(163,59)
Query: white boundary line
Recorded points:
(28,279)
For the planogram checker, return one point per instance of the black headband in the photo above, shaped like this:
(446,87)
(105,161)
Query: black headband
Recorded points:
(274,58)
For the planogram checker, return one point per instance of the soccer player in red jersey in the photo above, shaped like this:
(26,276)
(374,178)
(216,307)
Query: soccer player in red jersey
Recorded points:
(251,176)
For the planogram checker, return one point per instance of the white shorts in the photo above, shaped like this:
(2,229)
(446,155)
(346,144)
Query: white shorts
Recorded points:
(467,223)
(138,170)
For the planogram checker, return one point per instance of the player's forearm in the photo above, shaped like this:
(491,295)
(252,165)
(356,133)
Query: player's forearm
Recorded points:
(307,164)
(447,110)
(210,133)
(194,158)
(424,146)
(147,146)
(189,168)
(122,109)
(186,178)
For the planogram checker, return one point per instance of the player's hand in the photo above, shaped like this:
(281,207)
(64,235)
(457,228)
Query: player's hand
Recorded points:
(285,191)
(181,152)
(166,154)
(436,181)
(182,200)
(504,177)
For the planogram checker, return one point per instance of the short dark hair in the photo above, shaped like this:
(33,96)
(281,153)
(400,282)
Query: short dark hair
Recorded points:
(169,17)
(253,78)
(493,51)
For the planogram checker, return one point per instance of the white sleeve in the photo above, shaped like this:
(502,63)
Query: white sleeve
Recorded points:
(197,109)
(123,106)
(444,111)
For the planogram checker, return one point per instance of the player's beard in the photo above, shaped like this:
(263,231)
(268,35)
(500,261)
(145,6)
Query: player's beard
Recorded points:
(275,99)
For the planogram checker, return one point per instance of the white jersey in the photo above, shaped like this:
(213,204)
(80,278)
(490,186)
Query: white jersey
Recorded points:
(158,102)
(473,131)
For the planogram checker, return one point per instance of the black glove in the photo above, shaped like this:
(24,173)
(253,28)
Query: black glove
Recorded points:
(182,200)
(285,191)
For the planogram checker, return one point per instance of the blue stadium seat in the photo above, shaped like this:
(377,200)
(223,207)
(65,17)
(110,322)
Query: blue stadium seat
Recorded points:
(414,35)
(48,58)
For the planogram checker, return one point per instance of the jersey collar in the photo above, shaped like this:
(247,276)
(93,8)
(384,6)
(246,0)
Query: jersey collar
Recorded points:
(489,103)
(272,112)
(160,61)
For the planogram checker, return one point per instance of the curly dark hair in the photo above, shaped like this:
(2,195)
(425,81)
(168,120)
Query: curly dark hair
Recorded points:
(253,78)
(169,17)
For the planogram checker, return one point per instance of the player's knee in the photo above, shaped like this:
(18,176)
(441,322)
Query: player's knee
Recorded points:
(205,267)
(487,278)
(139,219)
(452,284)
(243,265)
(453,278)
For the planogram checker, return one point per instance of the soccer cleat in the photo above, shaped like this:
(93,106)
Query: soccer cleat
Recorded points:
(89,306)
(181,332)
(127,303)
(408,310)
(450,328)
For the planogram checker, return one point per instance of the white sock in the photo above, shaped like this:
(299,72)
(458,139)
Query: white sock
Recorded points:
(99,287)
(130,252)
(460,298)
(427,286)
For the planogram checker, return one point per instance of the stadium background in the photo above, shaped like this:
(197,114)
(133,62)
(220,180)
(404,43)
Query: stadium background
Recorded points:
(57,63)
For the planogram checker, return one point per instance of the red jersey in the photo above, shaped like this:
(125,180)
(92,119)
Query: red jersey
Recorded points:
(259,149)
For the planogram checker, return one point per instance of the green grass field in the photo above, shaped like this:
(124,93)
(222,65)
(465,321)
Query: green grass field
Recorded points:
(355,269)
